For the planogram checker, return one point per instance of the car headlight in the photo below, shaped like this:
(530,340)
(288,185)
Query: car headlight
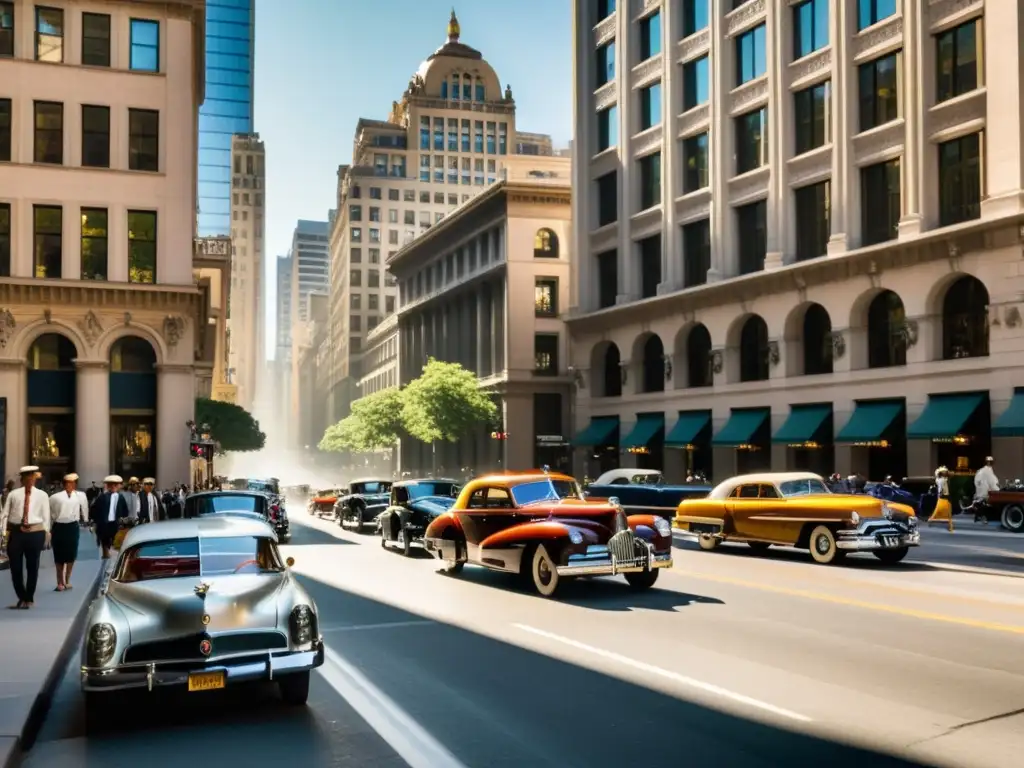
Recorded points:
(662,526)
(575,537)
(854,518)
(101,644)
(912,522)
(302,624)
(886,511)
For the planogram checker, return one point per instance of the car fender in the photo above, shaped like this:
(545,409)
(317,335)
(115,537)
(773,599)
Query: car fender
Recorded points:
(446,525)
(536,531)
(644,526)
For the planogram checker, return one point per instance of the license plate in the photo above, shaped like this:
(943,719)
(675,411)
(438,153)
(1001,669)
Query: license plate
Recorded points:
(890,541)
(206,681)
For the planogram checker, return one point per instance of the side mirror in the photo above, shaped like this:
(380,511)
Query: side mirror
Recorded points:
(290,562)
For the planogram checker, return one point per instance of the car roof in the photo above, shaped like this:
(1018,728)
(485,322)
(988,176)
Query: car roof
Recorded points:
(205,527)
(519,477)
(250,494)
(403,483)
(773,478)
(369,480)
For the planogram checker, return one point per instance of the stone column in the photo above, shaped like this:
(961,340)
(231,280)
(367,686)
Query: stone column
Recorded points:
(914,142)
(92,420)
(481,331)
(779,134)
(845,208)
(628,274)
(175,404)
(671,157)
(1004,81)
(721,149)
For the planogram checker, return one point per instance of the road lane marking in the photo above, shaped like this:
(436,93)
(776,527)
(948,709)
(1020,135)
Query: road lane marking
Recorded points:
(667,674)
(385,625)
(392,723)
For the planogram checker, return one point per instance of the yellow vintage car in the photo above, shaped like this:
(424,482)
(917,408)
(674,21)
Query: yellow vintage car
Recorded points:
(796,509)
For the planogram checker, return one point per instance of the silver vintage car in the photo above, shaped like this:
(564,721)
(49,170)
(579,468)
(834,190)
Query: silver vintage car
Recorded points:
(200,604)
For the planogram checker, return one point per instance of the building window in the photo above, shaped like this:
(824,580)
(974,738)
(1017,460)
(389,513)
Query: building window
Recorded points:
(95,136)
(751,221)
(545,244)
(751,140)
(751,61)
(49,34)
(607,278)
(375,255)
(696,252)
(143,140)
(355,301)
(650,36)
(605,63)
(650,106)
(696,83)
(96,39)
(49,134)
(373,278)
(810,27)
(813,220)
(695,163)
(355,255)
(47,230)
(813,117)
(389,304)
(94,244)
(5,130)
(6,29)
(957,63)
(545,354)
(5,239)
(376,193)
(355,323)
(607,128)
(355,278)
(545,297)
(650,266)
(355,235)
(695,16)
(145,53)
(142,247)
(355,213)
(879,95)
(873,11)
(960,180)
(375,213)
(605,8)
(880,206)
(650,180)
(607,199)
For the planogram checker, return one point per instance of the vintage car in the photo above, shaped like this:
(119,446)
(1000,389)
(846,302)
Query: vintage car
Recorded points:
(414,505)
(539,526)
(199,604)
(1005,506)
(643,491)
(252,503)
(323,501)
(796,509)
(360,503)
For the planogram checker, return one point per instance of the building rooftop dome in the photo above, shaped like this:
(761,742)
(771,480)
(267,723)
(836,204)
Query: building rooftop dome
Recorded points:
(453,47)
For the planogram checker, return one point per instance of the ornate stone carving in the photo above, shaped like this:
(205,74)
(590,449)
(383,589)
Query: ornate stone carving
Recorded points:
(667,360)
(1011,317)
(716,360)
(743,16)
(90,327)
(624,372)
(7,326)
(945,116)
(749,185)
(127,318)
(885,32)
(838,345)
(772,354)
(888,137)
(647,142)
(647,70)
(749,94)
(818,62)
(605,30)
(694,45)
(694,120)
(604,96)
(940,10)
(810,166)
(648,5)
(174,329)
(907,333)
(48,315)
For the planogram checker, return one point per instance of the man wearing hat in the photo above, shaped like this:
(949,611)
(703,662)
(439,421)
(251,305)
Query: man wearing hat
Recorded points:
(985,481)
(68,510)
(26,518)
(149,503)
(107,512)
(131,496)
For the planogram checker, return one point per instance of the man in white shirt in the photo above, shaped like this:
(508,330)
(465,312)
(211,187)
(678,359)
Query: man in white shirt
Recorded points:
(149,503)
(26,517)
(985,481)
(107,512)
(68,510)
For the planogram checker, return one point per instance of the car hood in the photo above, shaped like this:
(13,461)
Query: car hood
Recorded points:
(862,504)
(371,499)
(432,505)
(163,608)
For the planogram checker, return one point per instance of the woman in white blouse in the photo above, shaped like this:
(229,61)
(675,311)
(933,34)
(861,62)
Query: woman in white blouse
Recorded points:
(68,509)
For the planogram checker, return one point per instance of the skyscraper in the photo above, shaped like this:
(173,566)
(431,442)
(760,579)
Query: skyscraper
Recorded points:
(228,109)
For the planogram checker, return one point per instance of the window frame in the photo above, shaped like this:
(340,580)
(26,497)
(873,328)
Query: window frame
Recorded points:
(40,10)
(104,60)
(604,65)
(7,32)
(758,230)
(37,156)
(6,130)
(5,239)
(806,126)
(650,179)
(38,245)
(812,236)
(607,128)
(750,36)
(139,243)
(692,18)
(872,235)
(702,173)
(87,133)
(691,80)
(745,151)
(874,118)
(95,238)
(650,43)
(132,45)
(964,185)
(137,141)
(552,368)
(814,7)
(646,97)
(550,284)
(952,88)
(690,231)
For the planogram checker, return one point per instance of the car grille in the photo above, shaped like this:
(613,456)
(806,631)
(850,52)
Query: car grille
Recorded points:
(621,522)
(187,647)
(625,547)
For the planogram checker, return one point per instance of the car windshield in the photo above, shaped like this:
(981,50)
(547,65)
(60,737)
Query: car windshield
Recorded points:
(544,490)
(372,486)
(212,505)
(194,558)
(803,487)
(653,478)
(263,487)
(326,493)
(419,490)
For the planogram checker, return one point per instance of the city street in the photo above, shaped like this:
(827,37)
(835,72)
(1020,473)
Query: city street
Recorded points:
(732,660)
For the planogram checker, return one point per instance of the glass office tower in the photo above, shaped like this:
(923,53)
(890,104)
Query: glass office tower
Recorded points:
(230,35)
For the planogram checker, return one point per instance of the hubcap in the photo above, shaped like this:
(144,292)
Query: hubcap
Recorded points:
(822,545)
(1015,518)
(544,572)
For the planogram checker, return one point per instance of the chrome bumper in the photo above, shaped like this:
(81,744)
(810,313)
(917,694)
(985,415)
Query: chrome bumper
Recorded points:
(872,542)
(598,561)
(169,673)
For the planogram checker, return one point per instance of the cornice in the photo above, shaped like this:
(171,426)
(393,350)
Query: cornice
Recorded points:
(96,294)
(175,368)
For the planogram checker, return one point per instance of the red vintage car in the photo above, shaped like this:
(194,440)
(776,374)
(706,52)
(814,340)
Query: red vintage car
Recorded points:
(322,502)
(539,526)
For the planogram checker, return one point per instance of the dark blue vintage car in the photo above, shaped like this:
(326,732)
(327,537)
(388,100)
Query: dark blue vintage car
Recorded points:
(413,506)
(643,491)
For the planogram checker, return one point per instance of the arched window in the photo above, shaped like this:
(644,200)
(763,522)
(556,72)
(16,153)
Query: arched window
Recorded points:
(698,357)
(887,331)
(545,244)
(754,350)
(467,88)
(479,91)
(653,365)
(612,372)
(444,89)
(965,320)
(132,355)
(52,352)
(456,90)
(817,338)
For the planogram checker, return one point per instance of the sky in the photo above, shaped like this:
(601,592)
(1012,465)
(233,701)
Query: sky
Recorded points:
(323,64)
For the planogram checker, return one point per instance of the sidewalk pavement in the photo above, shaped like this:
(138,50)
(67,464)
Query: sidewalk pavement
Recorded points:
(43,639)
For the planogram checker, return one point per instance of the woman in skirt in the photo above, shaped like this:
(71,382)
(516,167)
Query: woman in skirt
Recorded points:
(68,509)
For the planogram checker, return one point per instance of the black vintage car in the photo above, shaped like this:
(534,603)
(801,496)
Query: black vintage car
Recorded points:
(240,503)
(414,504)
(359,504)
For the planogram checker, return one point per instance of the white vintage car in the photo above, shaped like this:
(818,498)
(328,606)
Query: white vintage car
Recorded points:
(200,604)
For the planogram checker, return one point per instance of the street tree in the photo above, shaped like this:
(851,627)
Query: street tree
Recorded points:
(231,426)
(375,423)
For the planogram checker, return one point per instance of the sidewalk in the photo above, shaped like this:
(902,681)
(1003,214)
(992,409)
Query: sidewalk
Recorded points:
(44,637)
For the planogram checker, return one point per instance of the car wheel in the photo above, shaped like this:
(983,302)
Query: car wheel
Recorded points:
(545,572)
(708,542)
(294,688)
(1012,518)
(823,546)
(404,543)
(759,546)
(891,556)
(641,580)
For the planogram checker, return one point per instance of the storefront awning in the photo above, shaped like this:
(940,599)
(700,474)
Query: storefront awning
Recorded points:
(741,427)
(688,428)
(645,429)
(803,424)
(944,416)
(598,432)
(1011,422)
(869,421)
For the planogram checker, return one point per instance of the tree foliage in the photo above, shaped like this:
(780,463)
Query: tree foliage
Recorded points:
(445,403)
(375,423)
(231,426)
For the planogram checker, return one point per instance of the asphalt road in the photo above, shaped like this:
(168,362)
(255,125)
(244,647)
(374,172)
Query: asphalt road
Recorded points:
(733,660)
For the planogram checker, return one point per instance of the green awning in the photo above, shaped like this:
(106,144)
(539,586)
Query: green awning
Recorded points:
(598,432)
(647,426)
(741,426)
(1011,422)
(869,421)
(803,424)
(688,428)
(944,416)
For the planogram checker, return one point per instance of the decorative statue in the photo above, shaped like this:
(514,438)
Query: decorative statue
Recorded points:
(508,93)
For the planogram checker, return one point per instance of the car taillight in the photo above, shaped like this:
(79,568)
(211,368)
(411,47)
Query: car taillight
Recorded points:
(274,511)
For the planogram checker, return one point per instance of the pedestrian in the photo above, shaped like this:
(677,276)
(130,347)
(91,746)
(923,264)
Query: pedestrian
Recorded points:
(131,496)
(109,509)
(943,509)
(26,518)
(149,503)
(68,510)
(985,481)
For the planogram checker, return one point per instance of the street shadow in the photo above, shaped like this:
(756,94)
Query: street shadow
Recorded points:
(777,554)
(307,535)
(415,553)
